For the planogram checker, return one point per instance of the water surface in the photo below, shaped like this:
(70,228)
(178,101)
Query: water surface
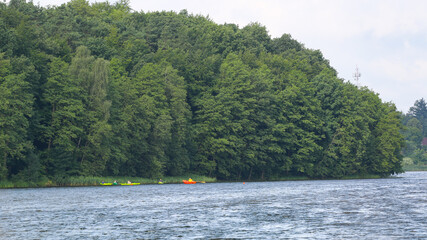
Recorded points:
(391,208)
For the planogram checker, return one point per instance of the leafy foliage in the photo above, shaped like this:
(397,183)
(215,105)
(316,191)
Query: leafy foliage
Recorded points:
(415,133)
(100,90)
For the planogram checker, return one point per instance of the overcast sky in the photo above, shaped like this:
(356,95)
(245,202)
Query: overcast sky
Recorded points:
(385,39)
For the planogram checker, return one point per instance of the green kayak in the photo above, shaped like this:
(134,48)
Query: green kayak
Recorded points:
(109,184)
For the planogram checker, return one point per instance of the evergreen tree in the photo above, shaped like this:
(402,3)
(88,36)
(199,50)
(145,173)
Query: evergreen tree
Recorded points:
(419,111)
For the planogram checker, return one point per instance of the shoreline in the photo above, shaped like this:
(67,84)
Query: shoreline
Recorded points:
(414,168)
(96,181)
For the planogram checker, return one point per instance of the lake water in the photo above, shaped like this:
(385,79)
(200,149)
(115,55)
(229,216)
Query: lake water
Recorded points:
(391,208)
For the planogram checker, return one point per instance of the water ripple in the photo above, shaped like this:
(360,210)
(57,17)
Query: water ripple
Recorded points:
(392,208)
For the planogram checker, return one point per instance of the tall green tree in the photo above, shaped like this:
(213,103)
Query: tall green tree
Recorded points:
(223,120)
(387,159)
(98,89)
(92,75)
(15,109)
(230,119)
(298,124)
(171,115)
(419,111)
(64,124)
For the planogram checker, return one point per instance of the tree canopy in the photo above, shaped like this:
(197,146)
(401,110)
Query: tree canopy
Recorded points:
(415,133)
(101,90)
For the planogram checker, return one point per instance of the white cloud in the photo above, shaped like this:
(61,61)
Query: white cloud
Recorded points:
(401,82)
(412,72)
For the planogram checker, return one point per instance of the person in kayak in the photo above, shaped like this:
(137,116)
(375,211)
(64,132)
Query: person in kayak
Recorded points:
(190,180)
(129,182)
(115,182)
(160,181)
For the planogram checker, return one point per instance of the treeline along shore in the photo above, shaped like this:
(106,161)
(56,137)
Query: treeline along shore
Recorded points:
(102,90)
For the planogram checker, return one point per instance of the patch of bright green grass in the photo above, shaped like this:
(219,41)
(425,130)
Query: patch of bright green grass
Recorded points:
(292,178)
(21,184)
(414,167)
(6,184)
(197,178)
(95,181)
(363,176)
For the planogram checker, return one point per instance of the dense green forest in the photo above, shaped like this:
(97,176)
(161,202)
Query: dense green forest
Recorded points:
(415,131)
(101,90)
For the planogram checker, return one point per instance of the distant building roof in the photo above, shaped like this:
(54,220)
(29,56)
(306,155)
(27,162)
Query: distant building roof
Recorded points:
(424,142)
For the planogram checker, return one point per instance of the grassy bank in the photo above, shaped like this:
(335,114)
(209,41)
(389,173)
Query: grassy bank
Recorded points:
(363,176)
(95,181)
(409,165)
(291,178)
(414,167)
(300,178)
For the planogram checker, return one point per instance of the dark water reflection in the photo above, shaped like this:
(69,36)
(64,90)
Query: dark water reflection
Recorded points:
(392,208)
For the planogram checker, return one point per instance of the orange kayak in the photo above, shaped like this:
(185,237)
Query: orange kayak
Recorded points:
(188,182)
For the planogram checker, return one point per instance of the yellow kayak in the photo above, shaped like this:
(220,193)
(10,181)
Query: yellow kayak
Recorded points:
(106,184)
(128,184)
